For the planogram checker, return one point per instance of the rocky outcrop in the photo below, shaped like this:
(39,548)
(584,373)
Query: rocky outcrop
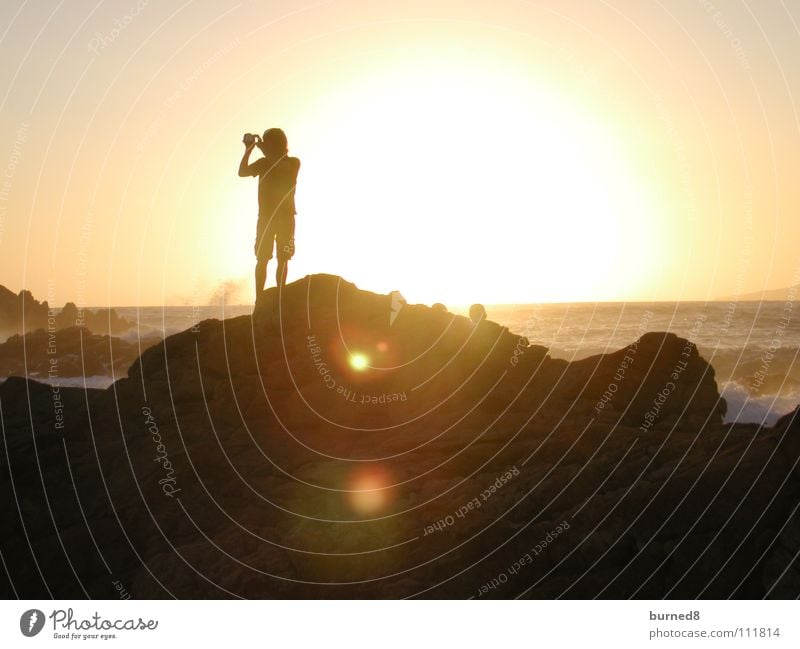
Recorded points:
(316,450)
(66,353)
(20,313)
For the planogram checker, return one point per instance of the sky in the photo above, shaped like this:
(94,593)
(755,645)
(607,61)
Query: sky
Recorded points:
(490,151)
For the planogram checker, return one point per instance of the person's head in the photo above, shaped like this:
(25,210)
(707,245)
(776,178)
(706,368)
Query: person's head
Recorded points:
(477,313)
(273,143)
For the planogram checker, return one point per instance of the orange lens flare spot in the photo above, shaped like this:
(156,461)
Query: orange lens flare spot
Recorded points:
(368,493)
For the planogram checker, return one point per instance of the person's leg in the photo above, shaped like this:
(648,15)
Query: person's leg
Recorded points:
(281,271)
(284,246)
(261,258)
(265,236)
(261,276)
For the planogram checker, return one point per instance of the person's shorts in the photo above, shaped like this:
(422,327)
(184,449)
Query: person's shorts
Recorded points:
(277,231)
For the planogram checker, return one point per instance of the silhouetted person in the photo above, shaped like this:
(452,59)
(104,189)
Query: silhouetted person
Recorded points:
(277,177)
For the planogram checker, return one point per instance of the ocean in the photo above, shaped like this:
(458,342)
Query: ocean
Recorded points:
(753,346)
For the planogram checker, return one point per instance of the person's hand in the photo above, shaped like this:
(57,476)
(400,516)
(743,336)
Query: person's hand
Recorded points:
(250,142)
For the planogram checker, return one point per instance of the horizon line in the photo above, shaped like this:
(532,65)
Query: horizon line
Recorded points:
(454,305)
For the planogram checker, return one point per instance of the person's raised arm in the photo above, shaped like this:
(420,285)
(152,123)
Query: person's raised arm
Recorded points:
(245,168)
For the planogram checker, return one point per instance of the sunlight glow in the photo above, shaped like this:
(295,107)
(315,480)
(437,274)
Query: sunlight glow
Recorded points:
(359,362)
(459,182)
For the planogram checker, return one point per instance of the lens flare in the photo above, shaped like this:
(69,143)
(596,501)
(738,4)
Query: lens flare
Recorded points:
(368,494)
(359,362)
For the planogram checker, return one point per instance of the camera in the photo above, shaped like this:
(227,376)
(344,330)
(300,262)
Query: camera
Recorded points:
(250,139)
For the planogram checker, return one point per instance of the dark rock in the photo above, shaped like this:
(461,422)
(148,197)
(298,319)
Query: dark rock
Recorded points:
(22,313)
(69,352)
(322,448)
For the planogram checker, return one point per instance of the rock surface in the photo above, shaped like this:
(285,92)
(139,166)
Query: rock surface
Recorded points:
(21,313)
(69,352)
(313,450)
